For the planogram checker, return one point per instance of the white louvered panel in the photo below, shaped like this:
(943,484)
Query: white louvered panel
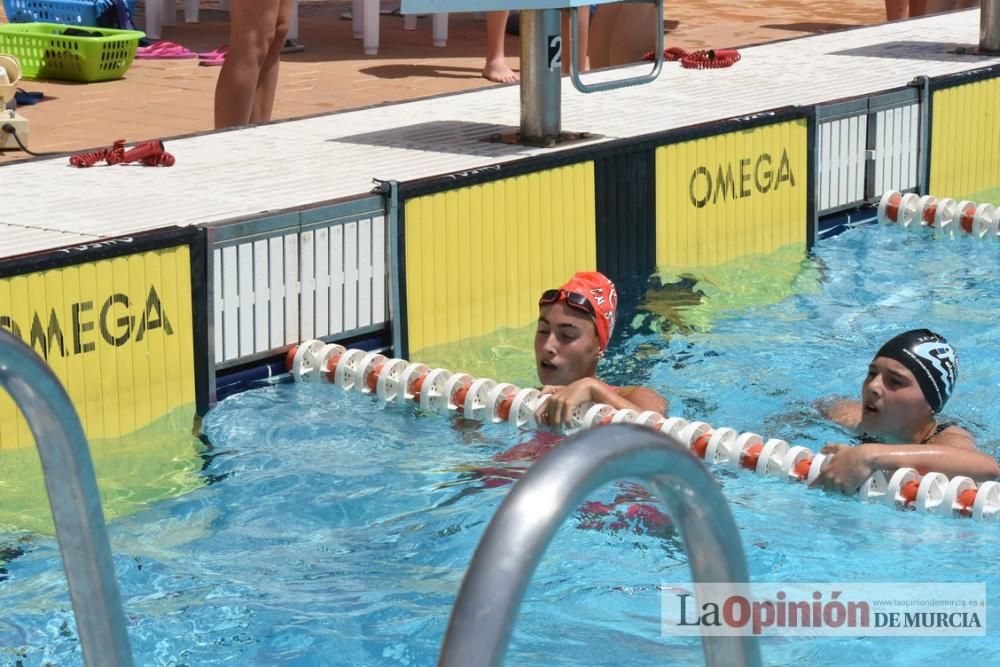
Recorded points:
(835,162)
(350,275)
(364,272)
(891,149)
(230,304)
(276,286)
(911,142)
(825,144)
(246,303)
(336,279)
(897,148)
(859,139)
(848,149)
(307,283)
(219,320)
(291,256)
(842,162)
(262,296)
(322,245)
(379,282)
(881,178)
(895,120)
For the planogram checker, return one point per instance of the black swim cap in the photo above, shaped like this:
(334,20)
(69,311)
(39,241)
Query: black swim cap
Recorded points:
(931,360)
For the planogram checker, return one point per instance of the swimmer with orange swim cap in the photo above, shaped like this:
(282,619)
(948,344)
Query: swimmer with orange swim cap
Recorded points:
(908,383)
(575,323)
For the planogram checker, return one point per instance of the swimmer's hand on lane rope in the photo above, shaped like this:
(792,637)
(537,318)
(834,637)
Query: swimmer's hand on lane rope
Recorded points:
(845,469)
(557,411)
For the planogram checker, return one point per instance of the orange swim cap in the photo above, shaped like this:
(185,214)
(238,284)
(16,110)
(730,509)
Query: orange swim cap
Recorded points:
(601,294)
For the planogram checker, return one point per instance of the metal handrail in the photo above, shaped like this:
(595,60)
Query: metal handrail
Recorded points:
(75,502)
(574,59)
(483,616)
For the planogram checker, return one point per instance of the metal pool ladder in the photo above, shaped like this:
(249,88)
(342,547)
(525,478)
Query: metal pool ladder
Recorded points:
(76,504)
(483,616)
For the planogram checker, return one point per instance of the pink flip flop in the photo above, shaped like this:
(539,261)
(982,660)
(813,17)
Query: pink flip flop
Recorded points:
(214,53)
(212,62)
(164,51)
(213,58)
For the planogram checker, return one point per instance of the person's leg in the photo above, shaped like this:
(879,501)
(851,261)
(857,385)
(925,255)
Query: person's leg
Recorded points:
(633,35)
(583,30)
(496,68)
(267,83)
(251,30)
(601,28)
(895,9)
(939,6)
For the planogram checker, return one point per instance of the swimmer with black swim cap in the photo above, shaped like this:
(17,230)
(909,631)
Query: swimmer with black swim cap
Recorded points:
(575,323)
(909,381)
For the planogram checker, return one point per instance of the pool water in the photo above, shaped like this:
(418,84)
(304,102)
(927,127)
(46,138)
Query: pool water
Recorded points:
(335,530)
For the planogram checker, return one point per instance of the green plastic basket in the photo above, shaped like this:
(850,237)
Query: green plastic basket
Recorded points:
(46,52)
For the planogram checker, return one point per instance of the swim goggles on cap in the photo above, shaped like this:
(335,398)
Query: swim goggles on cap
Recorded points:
(573,300)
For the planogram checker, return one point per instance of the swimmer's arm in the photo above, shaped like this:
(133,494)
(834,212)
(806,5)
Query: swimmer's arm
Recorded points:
(841,411)
(952,452)
(934,457)
(559,408)
(639,399)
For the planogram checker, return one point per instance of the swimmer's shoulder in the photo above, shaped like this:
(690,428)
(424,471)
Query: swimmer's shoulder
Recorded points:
(951,434)
(843,411)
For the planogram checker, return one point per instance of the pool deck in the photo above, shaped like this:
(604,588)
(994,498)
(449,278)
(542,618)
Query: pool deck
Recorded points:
(164,98)
(233,174)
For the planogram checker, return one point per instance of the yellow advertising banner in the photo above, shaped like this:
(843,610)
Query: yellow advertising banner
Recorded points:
(118,334)
(965,134)
(730,195)
(478,256)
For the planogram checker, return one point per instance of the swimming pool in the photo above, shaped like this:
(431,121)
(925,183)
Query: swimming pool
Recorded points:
(335,529)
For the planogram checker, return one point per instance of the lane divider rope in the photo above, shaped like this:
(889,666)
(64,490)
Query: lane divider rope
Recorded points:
(946,217)
(442,391)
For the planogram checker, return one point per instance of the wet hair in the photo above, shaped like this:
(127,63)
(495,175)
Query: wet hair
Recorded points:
(933,362)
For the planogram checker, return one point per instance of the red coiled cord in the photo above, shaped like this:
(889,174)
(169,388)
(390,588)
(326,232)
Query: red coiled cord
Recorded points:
(83,160)
(163,159)
(138,152)
(707,59)
(149,153)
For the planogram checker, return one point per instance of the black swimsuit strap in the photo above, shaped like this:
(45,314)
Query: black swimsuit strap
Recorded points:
(937,429)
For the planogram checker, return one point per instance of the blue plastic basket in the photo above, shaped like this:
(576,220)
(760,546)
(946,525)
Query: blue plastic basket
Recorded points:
(69,12)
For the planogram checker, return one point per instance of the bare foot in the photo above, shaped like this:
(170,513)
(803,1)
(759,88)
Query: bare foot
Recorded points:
(497,71)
